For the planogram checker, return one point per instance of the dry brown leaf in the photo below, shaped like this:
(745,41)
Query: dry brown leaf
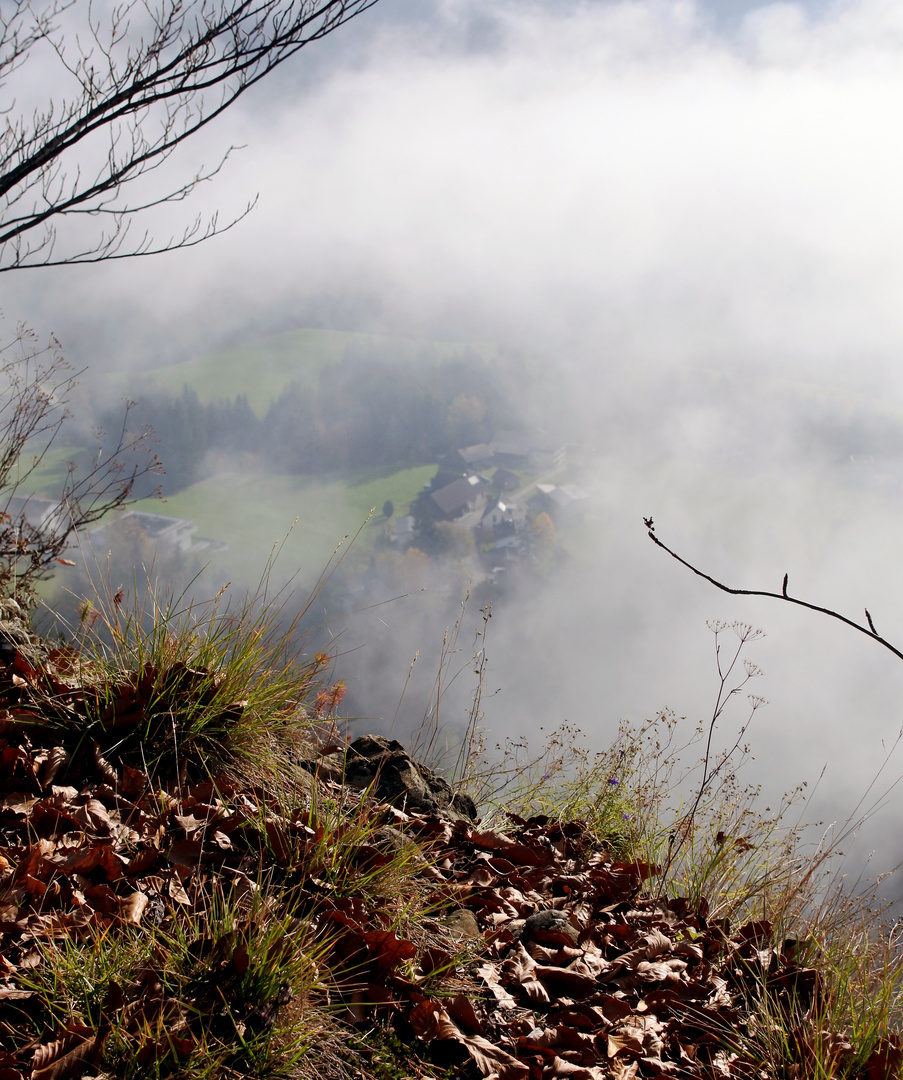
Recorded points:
(652,972)
(558,1067)
(625,1041)
(535,991)
(133,782)
(57,758)
(652,946)
(175,890)
(93,815)
(63,794)
(185,852)
(142,861)
(564,982)
(461,1010)
(430,1021)
(188,822)
(885,1060)
(132,907)
(103,899)
(620,1070)
(490,975)
(18,802)
(278,837)
(105,769)
(66,1057)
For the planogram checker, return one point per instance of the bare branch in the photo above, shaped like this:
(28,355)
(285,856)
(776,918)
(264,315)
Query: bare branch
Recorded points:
(141,85)
(35,383)
(868,630)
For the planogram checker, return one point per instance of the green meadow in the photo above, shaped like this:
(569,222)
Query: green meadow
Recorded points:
(250,512)
(261,369)
(306,516)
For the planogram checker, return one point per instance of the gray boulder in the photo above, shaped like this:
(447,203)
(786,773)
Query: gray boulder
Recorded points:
(384,766)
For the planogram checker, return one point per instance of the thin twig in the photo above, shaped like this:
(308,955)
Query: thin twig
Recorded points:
(683,828)
(868,630)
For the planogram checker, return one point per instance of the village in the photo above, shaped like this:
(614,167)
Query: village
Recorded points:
(496,505)
(493,492)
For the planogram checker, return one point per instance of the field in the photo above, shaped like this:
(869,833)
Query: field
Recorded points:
(261,369)
(253,512)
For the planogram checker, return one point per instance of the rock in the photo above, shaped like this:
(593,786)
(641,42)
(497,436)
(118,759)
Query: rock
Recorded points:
(462,924)
(388,770)
(395,842)
(15,634)
(549,926)
(464,805)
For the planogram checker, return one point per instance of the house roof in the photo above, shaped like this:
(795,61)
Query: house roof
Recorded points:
(456,495)
(34,509)
(504,508)
(156,525)
(506,479)
(513,446)
(563,495)
(471,455)
(547,445)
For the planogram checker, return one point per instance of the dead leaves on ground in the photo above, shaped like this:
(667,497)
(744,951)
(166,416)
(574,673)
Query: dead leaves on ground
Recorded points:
(575,974)
(582,977)
(563,969)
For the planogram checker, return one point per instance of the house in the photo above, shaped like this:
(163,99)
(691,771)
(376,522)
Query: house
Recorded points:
(444,475)
(163,530)
(36,512)
(510,449)
(460,497)
(500,526)
(507,535)
(533,452)
(546,454)
(566,499)
(403,535)
(505,480)
(469,459)
(498,512)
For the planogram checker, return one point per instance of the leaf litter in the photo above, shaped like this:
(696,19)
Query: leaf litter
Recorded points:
(564,968)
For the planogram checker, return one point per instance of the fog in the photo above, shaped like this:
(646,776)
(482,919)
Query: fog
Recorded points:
(693,211)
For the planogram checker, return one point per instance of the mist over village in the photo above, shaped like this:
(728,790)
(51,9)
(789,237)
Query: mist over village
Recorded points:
(410,351)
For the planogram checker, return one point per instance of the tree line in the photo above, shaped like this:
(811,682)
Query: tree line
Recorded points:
(371,409)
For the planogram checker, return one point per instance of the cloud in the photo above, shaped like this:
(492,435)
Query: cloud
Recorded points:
(618,177)
(699,221)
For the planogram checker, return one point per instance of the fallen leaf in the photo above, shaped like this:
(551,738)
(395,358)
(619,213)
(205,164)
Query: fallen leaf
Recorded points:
(132,907)
(66,1057)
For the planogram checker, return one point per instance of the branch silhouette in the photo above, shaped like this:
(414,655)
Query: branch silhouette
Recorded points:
(127,84)
(869,630)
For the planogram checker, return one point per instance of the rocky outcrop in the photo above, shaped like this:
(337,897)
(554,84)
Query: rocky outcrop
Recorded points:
(16,636)
(388,770)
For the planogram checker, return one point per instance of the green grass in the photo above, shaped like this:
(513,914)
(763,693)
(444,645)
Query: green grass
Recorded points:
(251,513)
(261,369)
(232,698)
(48,478)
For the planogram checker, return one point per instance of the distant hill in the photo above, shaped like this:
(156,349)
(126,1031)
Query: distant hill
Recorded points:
(260,369)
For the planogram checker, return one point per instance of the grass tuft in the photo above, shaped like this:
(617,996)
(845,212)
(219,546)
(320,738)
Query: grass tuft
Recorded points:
(182,899)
